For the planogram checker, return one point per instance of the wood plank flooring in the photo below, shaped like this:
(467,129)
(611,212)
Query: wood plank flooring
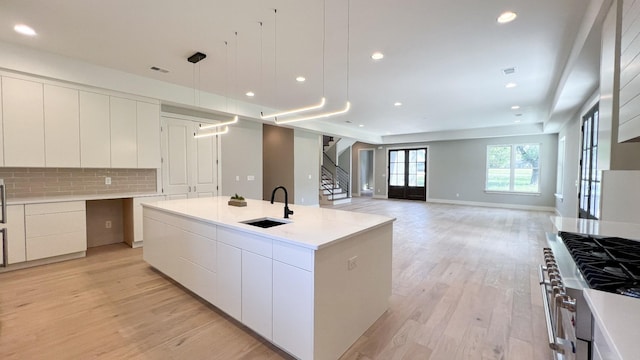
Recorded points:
(464,287)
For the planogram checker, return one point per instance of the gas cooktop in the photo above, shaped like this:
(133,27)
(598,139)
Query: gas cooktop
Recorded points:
(606,263)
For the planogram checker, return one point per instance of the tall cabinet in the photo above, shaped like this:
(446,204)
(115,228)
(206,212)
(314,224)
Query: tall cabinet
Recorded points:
(189,165)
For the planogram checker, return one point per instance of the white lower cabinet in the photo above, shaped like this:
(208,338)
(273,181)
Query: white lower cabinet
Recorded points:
(240,273)
(293,309)
(230,280)
(15,234)
(54,229)
(257,300)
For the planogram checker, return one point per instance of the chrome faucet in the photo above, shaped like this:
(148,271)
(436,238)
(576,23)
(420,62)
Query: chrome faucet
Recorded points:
(287,212)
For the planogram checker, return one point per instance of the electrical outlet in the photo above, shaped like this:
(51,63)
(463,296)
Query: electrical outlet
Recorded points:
(352,263)
(107,180)
(107,224)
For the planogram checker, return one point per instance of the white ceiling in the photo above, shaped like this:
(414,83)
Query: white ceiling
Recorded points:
(443,59)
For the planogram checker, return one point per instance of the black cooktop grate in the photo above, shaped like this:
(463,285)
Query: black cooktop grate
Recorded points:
(606,263)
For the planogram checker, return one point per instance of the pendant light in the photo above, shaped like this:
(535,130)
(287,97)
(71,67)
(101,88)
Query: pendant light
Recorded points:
(275,71)
(347,106)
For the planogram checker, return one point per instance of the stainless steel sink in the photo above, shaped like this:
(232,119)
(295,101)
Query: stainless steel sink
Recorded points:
(265,222)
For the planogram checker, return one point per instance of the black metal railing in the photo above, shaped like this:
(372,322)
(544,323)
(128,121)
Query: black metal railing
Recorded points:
(333,177)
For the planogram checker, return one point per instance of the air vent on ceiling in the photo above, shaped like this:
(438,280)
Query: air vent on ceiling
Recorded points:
(155,68)
(196,57)
(509,71)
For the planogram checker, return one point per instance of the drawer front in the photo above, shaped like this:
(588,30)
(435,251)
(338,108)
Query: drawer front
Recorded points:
(55,207)
(55,224)
(54,245)
(293,255)
(253,243)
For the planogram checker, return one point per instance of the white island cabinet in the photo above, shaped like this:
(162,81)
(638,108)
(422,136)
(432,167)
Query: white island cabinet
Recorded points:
(311,286)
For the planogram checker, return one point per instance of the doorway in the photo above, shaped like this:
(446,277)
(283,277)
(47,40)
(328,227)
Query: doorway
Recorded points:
(366,165)
(408,174)
(589,193)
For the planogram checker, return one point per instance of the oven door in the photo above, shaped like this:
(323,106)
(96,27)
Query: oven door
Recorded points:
(559,311)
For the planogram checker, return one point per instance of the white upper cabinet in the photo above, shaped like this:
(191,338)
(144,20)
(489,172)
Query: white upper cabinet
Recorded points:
(95,141)
(61,126)
(148,135)
(46,123)
(23,122)
(123,133)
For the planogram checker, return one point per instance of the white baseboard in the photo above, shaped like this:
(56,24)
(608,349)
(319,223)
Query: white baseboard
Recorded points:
(493,205)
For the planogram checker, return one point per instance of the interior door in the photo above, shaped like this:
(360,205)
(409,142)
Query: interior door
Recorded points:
(189,166)
(175,157)
(408,174)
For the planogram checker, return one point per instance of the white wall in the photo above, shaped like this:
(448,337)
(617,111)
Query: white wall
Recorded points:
(241,157)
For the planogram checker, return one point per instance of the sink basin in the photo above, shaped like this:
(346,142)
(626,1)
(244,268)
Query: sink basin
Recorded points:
(265,222)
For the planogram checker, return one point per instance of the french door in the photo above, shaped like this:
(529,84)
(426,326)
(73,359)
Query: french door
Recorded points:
(408,174)
(589,194)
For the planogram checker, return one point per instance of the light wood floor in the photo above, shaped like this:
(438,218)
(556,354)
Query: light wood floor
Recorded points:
(464,287)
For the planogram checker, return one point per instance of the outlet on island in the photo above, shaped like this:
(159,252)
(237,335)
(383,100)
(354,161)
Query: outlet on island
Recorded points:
(352,263)
(107,180)
(107,224)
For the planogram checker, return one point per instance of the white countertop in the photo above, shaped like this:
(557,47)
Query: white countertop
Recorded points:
(310,227)
(65,198)
(618,317)
(596,227)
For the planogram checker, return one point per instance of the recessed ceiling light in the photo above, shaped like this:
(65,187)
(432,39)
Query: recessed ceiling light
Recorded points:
(250,94)
(510,85)
(377,55)
(515,107)
(397,103)
(301,79)
(507,17)
(361,125)
(24,30)
(516,121)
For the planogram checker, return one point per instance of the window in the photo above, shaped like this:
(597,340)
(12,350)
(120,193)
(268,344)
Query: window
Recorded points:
(560,170)
(513,168)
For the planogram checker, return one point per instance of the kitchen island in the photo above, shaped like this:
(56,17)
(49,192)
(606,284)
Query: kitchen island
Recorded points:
(311,285)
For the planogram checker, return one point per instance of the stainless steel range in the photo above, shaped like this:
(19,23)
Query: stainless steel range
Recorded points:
(574,262)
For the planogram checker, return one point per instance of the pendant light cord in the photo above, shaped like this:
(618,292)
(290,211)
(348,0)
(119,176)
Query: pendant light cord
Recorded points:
(226,75)
(348,43)
(275,53)
(236,75)
(324,43)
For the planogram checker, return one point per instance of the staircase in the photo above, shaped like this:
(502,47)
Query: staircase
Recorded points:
(334,181)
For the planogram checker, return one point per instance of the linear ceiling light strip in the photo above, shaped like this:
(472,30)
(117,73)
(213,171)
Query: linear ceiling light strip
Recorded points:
(213,133)
(210,126)
(317,116)
(320,105)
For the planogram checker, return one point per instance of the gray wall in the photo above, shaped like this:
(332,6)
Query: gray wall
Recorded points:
(307,151)
(241,156)
(459,167)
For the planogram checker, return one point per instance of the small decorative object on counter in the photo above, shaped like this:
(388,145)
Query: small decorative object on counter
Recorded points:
(237,200)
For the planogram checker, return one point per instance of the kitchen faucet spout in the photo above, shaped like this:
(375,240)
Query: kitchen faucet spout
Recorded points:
(287,212)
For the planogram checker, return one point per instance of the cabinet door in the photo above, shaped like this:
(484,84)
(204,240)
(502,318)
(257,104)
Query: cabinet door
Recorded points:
(23,122)
(123,133)
(95,144)
(229,280)
(15,234)
(293,309)
(176,139)
(148,135)
(257,297)
(61,127)
(205,169)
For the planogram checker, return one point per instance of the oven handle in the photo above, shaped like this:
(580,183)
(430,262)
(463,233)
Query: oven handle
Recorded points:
(553,344)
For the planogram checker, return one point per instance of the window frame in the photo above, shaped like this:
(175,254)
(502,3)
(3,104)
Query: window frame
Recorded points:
(512,169)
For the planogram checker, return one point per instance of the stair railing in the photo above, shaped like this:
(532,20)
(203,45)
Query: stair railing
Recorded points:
(338,178)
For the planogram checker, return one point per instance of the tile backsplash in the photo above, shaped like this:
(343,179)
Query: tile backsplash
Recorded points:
(38,182)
